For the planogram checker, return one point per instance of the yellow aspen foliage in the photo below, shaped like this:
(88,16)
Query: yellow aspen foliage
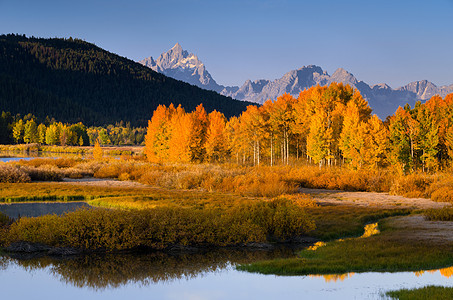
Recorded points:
(158,134)
(236,143)
(319,138)
(197,143)
(216,142)
(98,153)
(179,144)
(250,131)
(352,138)
(376,143)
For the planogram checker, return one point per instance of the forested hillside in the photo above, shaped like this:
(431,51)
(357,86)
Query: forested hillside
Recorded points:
(72,80)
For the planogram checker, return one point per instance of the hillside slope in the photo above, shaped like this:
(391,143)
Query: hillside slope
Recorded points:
(72,80)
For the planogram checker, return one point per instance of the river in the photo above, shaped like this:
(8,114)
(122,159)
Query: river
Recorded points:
(189,276)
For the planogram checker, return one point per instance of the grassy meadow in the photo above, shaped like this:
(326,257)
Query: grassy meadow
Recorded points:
(216,205)
(389,251)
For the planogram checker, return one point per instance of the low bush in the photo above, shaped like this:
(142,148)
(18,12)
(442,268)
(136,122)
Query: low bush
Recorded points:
(4,220)
(12,174)
(43,173)
(161,227)
(413,185)
(56,162)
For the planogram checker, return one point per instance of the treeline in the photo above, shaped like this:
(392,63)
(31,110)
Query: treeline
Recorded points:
(75,81)
(17,130)
(330,125)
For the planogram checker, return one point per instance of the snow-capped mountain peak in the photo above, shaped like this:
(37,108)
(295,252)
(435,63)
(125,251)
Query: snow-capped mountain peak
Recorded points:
(182,65)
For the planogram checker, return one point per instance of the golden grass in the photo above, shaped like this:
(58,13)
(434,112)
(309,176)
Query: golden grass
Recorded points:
(262,181)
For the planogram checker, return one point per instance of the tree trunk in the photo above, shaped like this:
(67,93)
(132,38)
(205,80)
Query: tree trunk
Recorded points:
(272,149)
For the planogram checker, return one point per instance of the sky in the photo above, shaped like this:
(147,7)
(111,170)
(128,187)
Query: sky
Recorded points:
(393,42)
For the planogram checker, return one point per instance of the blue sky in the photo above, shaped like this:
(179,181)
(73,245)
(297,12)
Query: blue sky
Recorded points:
(378,41)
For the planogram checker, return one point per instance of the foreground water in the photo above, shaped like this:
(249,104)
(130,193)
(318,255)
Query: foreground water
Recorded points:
(190,276)
(208,275)
(36,209)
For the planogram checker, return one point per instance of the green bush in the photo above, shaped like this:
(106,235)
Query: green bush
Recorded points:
(161,227)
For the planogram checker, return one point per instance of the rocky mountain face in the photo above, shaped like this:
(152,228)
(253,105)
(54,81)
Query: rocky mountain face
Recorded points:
(179,64)
(182,65)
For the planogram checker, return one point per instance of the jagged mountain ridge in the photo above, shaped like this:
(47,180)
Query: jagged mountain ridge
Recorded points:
(179,64)
(182,65)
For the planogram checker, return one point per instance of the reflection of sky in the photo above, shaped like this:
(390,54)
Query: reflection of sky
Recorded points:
(17,283)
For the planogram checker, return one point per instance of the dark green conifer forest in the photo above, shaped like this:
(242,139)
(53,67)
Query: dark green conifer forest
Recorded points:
(74,81)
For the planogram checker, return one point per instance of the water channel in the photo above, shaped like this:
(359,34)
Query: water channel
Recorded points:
(189,276)
(207,275)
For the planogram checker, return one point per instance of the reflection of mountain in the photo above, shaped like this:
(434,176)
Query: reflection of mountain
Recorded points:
(115,270)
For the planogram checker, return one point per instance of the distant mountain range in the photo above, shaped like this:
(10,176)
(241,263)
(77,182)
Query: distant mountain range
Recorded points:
(72,80)
(181,65)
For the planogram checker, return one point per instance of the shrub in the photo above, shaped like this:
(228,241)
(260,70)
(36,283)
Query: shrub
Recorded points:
(413,185)
(12,174)
(43,173)
(4,220)
(165,226)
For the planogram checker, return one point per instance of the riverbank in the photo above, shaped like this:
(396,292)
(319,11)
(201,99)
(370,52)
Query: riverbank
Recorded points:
(427,292)
(34,149)
(407,243)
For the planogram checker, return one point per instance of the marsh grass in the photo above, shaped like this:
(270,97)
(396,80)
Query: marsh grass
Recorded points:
(443,214)
(386,252)
(263,181)
(427,292)
(339,221)
(50,191)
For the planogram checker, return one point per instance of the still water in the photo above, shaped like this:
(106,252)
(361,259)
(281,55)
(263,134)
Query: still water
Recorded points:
(36,209)
(9,158)
(208,275)
(190,276)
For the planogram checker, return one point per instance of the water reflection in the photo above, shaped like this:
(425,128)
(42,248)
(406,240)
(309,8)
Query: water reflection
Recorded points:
(445,272)
(190,276)
(36,209)
(6,156)
(106,271)
(333,277)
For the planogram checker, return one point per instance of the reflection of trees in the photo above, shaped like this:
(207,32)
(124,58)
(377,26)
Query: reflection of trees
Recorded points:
(333,277)
(114,270)
(446,272)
